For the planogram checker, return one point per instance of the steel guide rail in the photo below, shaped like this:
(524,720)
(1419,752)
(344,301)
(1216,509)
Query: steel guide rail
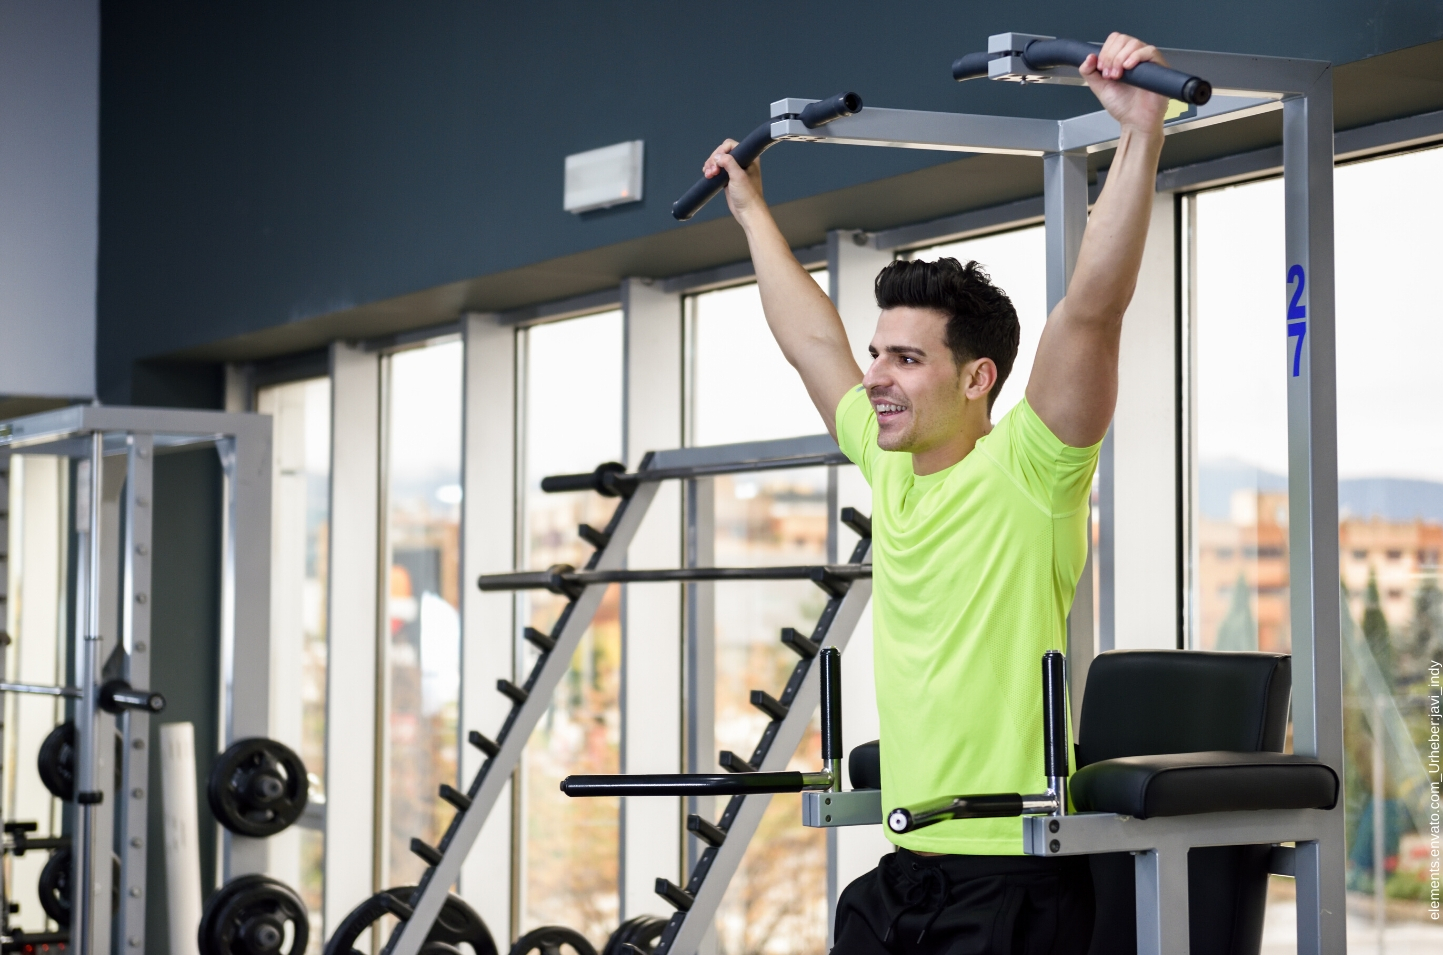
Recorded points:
(848,587)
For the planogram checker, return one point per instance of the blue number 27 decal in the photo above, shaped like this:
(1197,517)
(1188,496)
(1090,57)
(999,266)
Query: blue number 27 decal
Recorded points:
(1297,315)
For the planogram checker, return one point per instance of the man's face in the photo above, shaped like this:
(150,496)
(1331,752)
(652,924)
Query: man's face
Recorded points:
(915,386)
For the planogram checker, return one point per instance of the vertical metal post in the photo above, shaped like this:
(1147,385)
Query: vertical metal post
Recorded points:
(1064,200)
(1162,903)
(700,691)
(87,789)
(135,724)
(1309,363)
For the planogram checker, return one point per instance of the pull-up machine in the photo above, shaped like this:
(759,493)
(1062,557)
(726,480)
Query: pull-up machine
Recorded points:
(1235,87)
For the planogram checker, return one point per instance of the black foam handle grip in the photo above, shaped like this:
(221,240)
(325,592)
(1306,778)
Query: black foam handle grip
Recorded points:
(746,152)
(823,111)
(1163,80)
(971,66)
(604,481)
(683,784)
(757,142)
(1054,714)
(831,704)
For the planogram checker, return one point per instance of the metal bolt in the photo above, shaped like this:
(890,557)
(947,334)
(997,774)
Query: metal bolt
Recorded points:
(140,646)
(143,452)
(141,549)
(142,501)
(135,841)
(138,793)
(1053,826)
(133,942)
(141,598)
(137,744)
(135,891)
(1054,846)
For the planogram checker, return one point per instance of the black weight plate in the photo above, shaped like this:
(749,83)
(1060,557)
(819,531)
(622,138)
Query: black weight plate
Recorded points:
(54,887)
(550,939)
(457,925)
(249,915)
(56,761)
(641,931)
(257,787)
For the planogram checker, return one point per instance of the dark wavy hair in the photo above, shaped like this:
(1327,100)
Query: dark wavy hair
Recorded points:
(981,322)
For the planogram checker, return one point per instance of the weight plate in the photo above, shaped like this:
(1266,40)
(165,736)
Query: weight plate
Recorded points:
(257,787)
(641,931)
(457,929)
(550,939)
(54,886)
(56,761)
(249,915)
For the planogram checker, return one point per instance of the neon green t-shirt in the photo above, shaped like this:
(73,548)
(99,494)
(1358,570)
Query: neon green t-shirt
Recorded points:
(974,569)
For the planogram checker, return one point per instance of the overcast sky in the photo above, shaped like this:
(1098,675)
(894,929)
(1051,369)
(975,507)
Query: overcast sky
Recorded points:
(1390,338)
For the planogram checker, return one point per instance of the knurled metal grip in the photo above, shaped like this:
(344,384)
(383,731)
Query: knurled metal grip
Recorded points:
(1054,714)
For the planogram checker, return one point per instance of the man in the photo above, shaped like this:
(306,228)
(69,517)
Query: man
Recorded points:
(978,534)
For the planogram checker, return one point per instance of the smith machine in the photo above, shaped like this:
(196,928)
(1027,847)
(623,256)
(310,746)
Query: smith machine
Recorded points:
(98,760)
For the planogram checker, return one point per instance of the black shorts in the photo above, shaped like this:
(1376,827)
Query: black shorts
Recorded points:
(967,905)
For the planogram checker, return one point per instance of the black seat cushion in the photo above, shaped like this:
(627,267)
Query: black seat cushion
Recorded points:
(1180,784)
(1144,702)
(864,766)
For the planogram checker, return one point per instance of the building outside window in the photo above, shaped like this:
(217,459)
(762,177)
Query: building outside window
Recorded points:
(1390,530)
(300,533)
(572,422)
(744,390)
(422,626)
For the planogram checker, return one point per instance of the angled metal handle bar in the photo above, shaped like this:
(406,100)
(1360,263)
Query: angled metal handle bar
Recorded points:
(759,141)
(564,579)
(740,784)
(612,480)
(1047,53)
(992,805)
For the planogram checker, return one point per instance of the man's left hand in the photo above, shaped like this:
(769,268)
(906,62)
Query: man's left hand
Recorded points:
(1128,105)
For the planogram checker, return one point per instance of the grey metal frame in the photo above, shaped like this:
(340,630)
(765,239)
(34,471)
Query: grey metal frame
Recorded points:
(1244,86)
(118,446)
(504,755)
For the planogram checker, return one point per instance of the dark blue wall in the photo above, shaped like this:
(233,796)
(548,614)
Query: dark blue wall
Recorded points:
(266,162)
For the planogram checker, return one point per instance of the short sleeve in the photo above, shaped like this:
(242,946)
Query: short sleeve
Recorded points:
(1057,476)
(857,429)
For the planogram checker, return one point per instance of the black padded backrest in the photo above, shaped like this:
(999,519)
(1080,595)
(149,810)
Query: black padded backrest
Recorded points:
(864,766)
(1147,702)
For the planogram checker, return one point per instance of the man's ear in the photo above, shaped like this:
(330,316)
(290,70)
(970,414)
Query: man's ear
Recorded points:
(979,376)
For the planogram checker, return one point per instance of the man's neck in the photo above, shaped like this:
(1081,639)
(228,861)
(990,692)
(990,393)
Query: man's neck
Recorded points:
(950,452)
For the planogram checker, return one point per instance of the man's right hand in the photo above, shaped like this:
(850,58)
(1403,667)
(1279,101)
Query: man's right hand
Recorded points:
(744,186)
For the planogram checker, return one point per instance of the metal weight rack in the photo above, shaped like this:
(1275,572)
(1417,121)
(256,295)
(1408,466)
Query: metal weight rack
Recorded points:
(847,586)
(114,451)
(1245,86)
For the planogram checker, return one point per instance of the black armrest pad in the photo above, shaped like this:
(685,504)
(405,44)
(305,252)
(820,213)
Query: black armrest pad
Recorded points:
(864,766)
(1179,784)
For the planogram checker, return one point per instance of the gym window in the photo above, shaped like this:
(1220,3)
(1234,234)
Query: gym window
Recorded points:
(1390,464)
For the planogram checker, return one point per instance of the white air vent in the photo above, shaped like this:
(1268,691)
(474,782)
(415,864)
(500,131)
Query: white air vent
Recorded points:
(603,177)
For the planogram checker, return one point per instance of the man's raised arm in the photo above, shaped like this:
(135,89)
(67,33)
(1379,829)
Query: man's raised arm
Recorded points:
(801,316)
(1073,387)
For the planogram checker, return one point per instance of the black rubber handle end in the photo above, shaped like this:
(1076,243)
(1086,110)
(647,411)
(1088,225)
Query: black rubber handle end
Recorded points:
(833,107)
(970,66)
(1197,91)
